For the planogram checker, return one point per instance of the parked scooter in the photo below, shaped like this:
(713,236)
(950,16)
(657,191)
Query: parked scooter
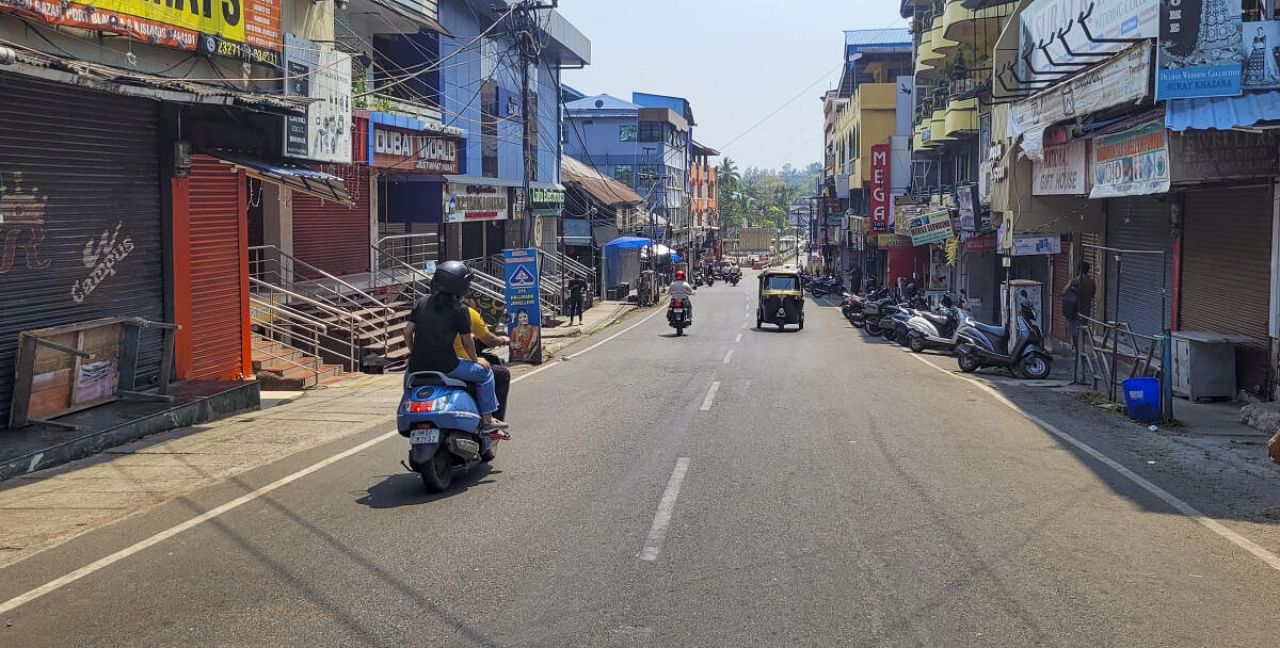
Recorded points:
(893,320)
(438,415)
(984,345)
(937,330)
(875,309)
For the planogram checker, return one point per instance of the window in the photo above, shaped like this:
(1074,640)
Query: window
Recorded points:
(650,131)
(624,173)
(777,282)
(648,172)
(627,133)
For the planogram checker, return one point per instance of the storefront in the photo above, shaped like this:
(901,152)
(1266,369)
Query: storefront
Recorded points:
(81,215)
(476,215)
(547,203)
(979,277)
(409,158)
(1224,260)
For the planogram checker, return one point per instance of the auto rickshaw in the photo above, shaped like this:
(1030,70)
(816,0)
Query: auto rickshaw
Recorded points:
(781,298)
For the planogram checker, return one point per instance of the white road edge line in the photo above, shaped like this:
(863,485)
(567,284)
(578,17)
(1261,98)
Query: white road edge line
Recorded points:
(667,505)
(728,356)
(711,396)
(142,545)
(1272,560)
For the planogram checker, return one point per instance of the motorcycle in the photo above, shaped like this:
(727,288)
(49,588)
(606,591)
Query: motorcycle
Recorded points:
(822,286)
(734,278)
(851,306)
(893,320)
(984,345)
(875,309)
(936,330)
(438,415)
(678,315)
(710,279)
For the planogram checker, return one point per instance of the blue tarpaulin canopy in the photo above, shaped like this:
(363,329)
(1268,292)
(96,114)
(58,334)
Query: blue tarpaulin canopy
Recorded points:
(1222,113)
(628,242)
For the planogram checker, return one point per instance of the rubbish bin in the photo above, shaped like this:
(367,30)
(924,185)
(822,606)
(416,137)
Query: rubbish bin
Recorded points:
(1142,398)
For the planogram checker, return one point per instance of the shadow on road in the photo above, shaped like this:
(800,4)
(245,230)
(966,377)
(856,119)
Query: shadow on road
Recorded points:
(406,489)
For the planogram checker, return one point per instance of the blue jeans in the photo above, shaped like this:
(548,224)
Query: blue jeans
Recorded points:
(486,398)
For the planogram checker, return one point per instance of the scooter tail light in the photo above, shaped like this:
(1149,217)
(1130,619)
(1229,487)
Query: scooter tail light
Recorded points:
(679,303)
(421,407)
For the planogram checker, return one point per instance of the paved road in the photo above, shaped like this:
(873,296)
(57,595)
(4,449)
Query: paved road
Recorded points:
(827,491)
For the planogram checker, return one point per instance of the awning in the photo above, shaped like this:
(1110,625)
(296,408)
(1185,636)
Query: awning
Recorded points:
(577,231)
(301,179)
(1222,113)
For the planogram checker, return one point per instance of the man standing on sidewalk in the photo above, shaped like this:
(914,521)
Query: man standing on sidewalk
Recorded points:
(576,289)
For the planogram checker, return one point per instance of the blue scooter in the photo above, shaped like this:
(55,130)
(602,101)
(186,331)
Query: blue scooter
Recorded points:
(438,415)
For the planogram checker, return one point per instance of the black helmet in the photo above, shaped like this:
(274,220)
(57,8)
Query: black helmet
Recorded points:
(452,278)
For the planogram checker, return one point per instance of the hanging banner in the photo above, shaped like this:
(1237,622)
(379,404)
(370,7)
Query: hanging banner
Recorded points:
(1062,171)
(245,29)
(969,207)
(1199,54)
(1027,245)
(524,304)
(1257,50)
(1133,162)
(931,227)
(880,187)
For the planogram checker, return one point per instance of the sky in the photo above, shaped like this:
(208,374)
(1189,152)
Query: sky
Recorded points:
(736,61)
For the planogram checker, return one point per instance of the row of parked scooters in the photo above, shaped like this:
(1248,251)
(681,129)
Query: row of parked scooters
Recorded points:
(948,327)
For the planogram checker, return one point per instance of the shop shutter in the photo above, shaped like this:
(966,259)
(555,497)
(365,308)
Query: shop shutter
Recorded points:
(1226,274)
(331,236)
(1062,274)
(80,222)
(217,249)
(1139,223)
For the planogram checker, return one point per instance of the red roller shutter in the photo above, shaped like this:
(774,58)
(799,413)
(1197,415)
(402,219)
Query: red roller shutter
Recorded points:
(218,240)
(1061,277)
(330,236)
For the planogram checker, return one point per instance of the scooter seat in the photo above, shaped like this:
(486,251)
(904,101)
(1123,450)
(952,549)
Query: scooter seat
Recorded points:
(423,378)
(940,320)
(998,331)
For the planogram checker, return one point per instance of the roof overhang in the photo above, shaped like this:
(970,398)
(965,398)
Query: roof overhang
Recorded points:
(314,183)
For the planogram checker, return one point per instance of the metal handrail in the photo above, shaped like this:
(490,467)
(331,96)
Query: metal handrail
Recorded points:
(339,281)
(334,310)
(314,371)
(289,314)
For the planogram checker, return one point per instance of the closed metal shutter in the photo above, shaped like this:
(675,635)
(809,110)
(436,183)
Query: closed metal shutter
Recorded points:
(80,222)
(217,308)
(331,236)
(1226,274)
(1139,223)
(1062,275)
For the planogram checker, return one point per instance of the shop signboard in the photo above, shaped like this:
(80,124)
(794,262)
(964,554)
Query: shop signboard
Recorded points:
(320,73)
(880,209)
(407,151)
(249,30)
(892,240)
(524,304)
(1043,20)
(547,202)
(1213,155)
(1029,245)
(1199,49)
(933,226)
(985,243)
(1062,172)
(467,203)
(1133,162)
(1122,80)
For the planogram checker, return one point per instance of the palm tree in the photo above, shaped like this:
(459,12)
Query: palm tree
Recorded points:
(728,174)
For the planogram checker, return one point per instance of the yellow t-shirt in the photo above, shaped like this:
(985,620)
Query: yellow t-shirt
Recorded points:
(478,327)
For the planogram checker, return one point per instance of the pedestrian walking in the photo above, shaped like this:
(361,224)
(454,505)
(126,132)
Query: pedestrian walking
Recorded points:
(577,287)
(855,279)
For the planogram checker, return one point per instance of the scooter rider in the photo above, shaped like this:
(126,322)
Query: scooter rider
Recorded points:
(681,289)
(435,322)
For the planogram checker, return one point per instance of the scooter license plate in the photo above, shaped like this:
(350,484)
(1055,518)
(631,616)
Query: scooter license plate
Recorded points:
(420,437)
(678,311)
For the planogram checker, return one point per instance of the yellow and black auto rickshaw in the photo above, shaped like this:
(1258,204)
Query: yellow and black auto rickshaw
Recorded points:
(781,298)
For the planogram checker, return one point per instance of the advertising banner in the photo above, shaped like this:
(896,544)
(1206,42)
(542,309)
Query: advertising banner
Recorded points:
(320,73)
(245,29)
(931,227)
(1199,53)
(1062,172)
(407,151)
(880,187)
(524,304)
(1214,155)
(969,207)
(1031,245)
(465,203)
(1043,20)
(1258,48)
(1133,162)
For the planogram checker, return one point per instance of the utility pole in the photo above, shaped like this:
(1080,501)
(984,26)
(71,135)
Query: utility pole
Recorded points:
(525,28)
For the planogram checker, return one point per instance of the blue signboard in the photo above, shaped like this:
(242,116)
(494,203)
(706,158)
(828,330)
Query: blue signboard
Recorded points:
(524,304)
(1199,55)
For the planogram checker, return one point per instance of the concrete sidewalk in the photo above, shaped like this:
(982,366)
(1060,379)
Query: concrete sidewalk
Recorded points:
(602,314)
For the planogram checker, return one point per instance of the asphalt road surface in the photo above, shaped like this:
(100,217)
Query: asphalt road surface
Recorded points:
(734,487)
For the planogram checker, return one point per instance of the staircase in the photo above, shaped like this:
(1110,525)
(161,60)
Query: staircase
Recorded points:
(280,367)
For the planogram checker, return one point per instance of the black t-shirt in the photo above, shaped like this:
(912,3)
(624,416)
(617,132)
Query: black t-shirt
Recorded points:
(437,321)
(576,287)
